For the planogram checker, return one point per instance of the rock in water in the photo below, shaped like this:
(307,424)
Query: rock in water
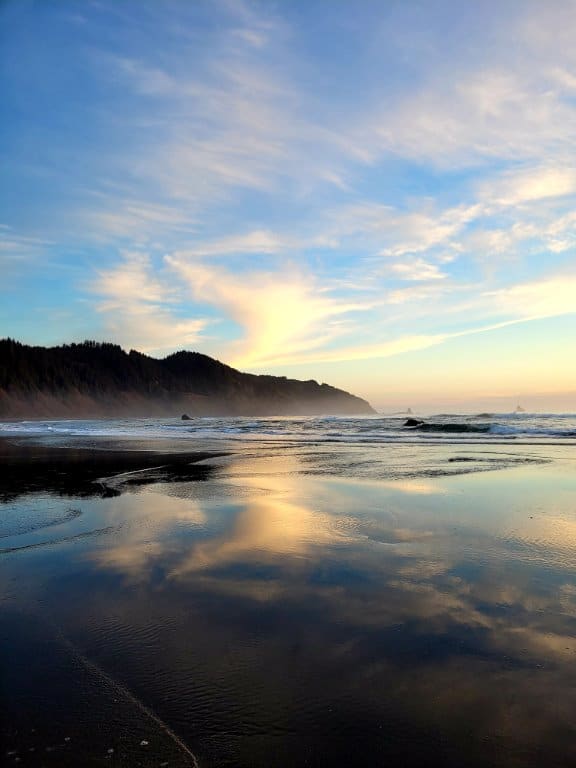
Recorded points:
(185,417)
(413,423)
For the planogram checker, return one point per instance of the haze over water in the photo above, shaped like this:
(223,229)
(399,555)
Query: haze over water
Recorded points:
(296,602)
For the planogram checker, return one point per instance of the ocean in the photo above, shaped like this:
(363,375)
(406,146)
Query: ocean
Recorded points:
(289,592)
(489,428)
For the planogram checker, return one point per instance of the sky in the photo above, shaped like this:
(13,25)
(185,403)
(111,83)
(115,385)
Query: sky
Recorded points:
(380,195)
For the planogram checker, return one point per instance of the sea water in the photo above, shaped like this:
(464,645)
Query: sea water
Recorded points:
(533,428)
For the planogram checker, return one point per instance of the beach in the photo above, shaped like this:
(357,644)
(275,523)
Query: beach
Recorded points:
(288,593)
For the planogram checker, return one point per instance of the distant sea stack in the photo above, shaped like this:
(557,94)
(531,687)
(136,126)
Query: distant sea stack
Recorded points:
(96,379)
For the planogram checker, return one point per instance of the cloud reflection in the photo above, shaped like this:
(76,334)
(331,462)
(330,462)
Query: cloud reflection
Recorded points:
(369,553)
(451,611)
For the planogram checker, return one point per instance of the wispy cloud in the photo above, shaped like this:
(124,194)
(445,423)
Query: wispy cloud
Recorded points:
(416,269)
(257,241)
(15,246)
(531,185)
(512,103)
(547,297)
(238,126)
(113,217)
(282,314)
(141,310)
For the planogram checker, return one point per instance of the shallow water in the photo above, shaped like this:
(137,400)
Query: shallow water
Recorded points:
(297,606)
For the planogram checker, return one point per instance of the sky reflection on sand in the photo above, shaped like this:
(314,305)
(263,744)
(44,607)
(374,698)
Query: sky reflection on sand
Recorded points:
(268,613)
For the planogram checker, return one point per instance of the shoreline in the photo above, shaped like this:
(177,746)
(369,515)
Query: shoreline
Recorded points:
(82,465)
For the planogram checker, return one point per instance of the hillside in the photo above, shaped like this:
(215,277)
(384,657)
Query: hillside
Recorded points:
(100,379)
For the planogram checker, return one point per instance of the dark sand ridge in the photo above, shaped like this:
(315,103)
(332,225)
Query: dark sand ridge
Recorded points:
(81,472)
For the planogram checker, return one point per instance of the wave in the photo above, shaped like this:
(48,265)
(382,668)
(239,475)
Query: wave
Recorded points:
(503,429)
(450,427)
(368,429)
(492,428)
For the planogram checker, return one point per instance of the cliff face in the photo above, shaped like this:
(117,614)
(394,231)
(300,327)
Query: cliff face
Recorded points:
(92,379)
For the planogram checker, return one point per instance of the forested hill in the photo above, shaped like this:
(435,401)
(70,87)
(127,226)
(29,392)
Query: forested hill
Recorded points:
(100,379)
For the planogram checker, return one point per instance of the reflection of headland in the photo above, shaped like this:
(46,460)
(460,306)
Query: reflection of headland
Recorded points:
(83,472)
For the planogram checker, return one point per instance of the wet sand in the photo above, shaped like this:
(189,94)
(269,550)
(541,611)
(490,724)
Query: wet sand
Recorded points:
(251,610)
(28,467)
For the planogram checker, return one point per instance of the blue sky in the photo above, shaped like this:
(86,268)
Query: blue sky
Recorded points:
(380,195)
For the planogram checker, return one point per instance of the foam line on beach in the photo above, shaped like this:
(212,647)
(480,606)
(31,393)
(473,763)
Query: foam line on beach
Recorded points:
(95,669)
(63,540)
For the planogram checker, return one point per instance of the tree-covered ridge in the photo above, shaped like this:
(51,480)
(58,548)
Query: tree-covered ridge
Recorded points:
(103,371)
